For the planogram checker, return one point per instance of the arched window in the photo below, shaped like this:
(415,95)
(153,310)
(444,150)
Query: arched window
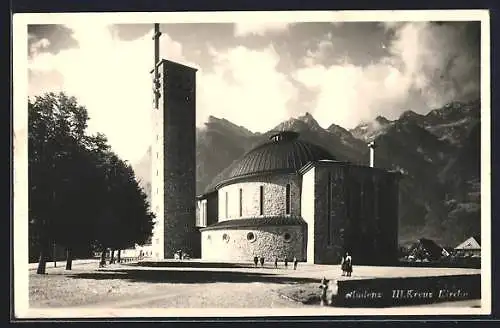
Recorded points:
(287,199)
(205,214)
(241,202)
(226,205)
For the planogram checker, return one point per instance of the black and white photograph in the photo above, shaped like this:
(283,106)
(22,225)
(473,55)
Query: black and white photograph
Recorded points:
(251,164)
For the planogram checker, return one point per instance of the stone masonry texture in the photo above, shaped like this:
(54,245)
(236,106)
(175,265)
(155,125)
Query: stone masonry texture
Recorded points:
(346,208)
(269,241)
(274,197)
(232,245)
(179,148)
(356,210)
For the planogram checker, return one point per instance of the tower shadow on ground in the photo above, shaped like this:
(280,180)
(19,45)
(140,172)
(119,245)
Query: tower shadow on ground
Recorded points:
(191,264)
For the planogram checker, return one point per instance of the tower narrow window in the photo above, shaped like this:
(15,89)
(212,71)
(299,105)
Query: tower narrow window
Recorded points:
(226,204)
(329,208)
(241,202)
(261,199)
(287,199)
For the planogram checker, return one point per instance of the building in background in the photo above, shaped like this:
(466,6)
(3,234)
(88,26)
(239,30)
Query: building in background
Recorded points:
(469,248)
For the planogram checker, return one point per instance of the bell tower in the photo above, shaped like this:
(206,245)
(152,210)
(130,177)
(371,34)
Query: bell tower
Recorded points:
(173,157)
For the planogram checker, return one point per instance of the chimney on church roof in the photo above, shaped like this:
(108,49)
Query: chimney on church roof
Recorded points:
(372,147)
(284,136)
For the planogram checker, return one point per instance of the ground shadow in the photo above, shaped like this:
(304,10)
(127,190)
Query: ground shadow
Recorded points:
(190,277)
(191,264)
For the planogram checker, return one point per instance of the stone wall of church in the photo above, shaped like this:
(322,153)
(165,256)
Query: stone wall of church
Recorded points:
(241,245)
(273,202)
(356,210)
(179,149)
(330,219)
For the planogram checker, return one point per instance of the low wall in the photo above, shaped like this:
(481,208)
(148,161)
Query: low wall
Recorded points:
(474,263)
(384,292)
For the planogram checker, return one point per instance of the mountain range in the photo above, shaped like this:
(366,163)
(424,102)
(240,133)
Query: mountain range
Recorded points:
(438,154)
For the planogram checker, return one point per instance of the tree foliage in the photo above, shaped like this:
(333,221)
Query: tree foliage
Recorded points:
(81,193)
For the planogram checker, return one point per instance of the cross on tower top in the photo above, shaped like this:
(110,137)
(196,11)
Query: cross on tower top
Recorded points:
(156,38)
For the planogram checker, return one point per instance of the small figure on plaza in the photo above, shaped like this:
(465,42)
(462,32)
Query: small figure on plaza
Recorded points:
(346,265)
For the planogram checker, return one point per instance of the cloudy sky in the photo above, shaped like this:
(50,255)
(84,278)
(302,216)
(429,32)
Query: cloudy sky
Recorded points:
(257,74)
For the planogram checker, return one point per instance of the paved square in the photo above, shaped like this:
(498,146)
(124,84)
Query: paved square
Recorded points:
(191,284)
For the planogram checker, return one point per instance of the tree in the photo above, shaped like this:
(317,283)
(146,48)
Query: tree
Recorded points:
(81,193)
(56,128)
(125,219)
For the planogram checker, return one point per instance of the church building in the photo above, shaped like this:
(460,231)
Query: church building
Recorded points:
(285,198)
(290,198)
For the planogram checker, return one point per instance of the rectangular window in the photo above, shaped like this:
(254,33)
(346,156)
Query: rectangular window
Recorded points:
(287,199)
(226,205)
(261,199)
(241,202)
(205,214)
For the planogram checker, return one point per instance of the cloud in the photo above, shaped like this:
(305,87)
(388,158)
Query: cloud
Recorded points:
(323,49)
(246,88)
(38,46)
(259,28)
(110,77)
(424,66)
(437,58)
(427,66)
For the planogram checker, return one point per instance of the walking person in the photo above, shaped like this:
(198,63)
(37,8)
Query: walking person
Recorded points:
(262,261)
(295,262)
(286,263)
(256,260)
(276,262)
(347,265)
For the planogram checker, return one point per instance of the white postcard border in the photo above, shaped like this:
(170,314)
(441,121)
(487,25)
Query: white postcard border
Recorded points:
(20,191)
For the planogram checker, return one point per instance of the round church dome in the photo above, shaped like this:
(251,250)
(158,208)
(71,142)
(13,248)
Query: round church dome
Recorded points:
(284,153)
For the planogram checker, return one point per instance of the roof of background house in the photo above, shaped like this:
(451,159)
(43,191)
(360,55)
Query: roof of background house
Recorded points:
(471,243)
